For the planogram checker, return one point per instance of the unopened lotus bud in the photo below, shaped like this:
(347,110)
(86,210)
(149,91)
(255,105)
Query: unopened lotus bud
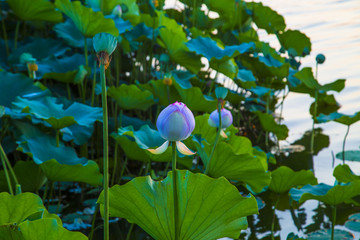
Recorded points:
(104,45)
(226,118)
(117,11)
(221,92)
(320,58)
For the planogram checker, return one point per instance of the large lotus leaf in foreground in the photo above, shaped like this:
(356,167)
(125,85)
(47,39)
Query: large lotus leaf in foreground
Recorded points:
(332,195)
(131,97)
(85,19)
(54,113)
(24,217)
(39,10)
(208,208)
(284,178)
(15,85)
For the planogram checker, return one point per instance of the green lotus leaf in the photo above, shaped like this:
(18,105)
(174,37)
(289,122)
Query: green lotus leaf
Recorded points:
(195,99)
(228,67)
(325,234)
(246,77)
(340,118)
(284,178)
(54,113)
(343,173)
(326,104)
(29,175)
(39,48)
(15,209)
(268,123)
(208,208)
(336,86)
(85,19)
(132,12)
(59,163)
(332,195)
(266,18)
(306,76)
(173,38)
(108,5)
(47,229)
(236,160)
(36,10)
(159,90)
(296,40)
(350,155)
(131,97)
(354,222)
(15,85)
(69,32)
(210,49)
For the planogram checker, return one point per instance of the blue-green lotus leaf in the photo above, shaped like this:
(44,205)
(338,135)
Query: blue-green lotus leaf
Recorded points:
(104,42)
(266,18)
(340,118)
(71,35)
(350,155)
(54,113)
(29,175)
(268,123)
(63,70)
(209,48)
(354,222)
(294,39)
(141,31)
(39,48)
(2,111)
(284,178)
(77,133)
(326,234)
(131,97)
(343,173)
(108,5)
(332,195)
(262,91)
(173,38)
(122,25)
(195,99)
(47,229)
(208,208)
(35,10)
(246,77)
(131,11)
(15,85)
(85,19)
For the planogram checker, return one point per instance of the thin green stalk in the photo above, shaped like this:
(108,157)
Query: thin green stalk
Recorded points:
(86,52)
(51,193)
(93,222)
(333,222)
(57,138)
(4,33)
(194,14)
(166,168)
(46,191)
(7,176)
(68,91)
(273,219)
(123,169)
(93,86)
(16,34)
(4,157)
(105,152)
(267,132)
(175,194)
(343,147)
(216,140)
(313,125)
(129,232)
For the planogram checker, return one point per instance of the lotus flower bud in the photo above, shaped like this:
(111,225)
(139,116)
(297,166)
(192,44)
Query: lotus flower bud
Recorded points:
(104,45)
(117,11)
(226,118)
(221,92)
(175,122)
(320,58)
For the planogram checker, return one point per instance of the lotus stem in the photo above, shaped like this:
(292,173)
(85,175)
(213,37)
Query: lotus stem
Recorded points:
(93,86)
(7,176)
(216,140)
(16,34)
(4,33)
(123,168)
(57,138)
(175,194)
(313,125)
(333,222)
(343,147)
(93,222)
(86,52)
(6,161)
(267,132)
(105,151)
(273,219)
(130,231)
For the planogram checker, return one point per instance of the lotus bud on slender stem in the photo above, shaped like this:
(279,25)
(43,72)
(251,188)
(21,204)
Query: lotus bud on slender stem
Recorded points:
(104,45)
(175,123)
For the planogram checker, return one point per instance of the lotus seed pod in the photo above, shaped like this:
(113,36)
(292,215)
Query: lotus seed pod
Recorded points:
(320,58)
(176,122)
(104,42)
(221,92)
(226,118)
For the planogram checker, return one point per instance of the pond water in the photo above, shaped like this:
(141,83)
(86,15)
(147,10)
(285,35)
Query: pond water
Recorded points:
(334,29)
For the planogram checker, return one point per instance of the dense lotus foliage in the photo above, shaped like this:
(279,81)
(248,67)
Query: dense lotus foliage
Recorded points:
(122,119)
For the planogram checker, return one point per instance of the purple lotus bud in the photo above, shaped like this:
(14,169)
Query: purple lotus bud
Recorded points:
(175,122)
(226,118)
